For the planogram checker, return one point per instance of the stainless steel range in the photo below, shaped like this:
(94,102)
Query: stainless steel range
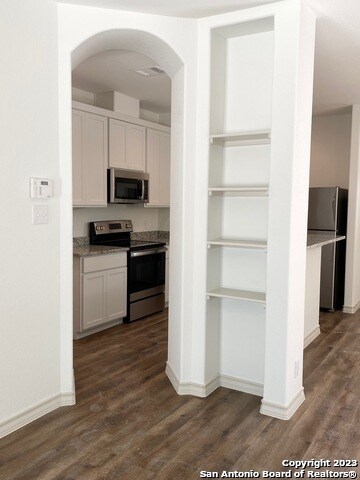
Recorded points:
(146,266)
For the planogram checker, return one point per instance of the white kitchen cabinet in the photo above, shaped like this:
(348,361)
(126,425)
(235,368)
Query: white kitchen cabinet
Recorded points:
(78,129)
(126,145)
(117,144)
(158,167)
(90,154)
(100,292)
(116,281)
(93,299)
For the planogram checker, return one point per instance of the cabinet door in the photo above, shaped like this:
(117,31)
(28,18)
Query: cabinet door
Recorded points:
(135,147)
(78,131)
(116,292)
(153,166)
(95,159)
(158,167)
(93,299)
(165,156)
(117,144)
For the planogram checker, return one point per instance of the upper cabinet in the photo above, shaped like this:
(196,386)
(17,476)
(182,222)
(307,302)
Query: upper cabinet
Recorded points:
(158,167)
(90,153)
(126,145)
(100,142)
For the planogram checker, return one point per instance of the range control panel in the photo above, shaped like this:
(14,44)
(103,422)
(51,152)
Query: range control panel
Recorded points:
(113,226)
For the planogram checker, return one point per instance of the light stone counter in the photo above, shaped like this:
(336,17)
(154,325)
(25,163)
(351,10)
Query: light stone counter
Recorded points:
(91,250)
(316,240)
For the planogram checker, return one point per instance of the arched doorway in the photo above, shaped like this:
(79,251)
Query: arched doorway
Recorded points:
(155,48)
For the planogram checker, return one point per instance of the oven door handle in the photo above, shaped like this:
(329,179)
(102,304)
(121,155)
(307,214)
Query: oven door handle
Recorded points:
(148,252)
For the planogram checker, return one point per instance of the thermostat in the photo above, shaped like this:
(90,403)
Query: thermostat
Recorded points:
(41,188)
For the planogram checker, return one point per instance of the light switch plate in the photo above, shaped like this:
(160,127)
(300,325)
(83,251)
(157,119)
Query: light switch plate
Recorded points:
(40,214)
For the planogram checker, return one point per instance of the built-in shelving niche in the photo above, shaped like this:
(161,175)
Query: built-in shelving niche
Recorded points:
(238,199)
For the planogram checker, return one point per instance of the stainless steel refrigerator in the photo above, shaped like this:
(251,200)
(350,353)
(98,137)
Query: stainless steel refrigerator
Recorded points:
(328,215)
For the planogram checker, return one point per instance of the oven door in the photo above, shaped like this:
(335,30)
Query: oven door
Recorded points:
(146,273)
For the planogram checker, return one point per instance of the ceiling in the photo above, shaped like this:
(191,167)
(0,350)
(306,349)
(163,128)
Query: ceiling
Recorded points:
(337,64)
(337,55)
(113,70)
(174,8)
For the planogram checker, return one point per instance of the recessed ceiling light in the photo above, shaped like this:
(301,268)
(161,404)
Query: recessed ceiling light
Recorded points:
(150,71)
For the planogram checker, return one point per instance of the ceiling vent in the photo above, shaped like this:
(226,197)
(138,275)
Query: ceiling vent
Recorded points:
(150,71)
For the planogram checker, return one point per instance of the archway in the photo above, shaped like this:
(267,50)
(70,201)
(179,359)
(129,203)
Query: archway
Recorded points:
(155,48)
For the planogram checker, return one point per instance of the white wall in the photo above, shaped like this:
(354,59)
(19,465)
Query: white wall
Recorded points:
(36,268)
(330,150)
(143,219)
(84,31)
(83,96)
(30,267)
(352,273)
(89,98)
(164,219)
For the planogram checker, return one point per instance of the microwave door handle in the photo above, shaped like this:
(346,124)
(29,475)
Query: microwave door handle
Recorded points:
(142,189)
(138,190)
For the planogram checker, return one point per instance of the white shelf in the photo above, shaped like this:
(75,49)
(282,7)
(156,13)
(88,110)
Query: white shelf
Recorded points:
(258,297)
(241,138)
(239,243)
(258,191)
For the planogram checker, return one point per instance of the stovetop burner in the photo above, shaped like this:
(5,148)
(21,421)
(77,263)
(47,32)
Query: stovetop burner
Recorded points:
(117,233)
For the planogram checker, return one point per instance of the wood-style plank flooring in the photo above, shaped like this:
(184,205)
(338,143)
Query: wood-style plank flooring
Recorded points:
(130,424)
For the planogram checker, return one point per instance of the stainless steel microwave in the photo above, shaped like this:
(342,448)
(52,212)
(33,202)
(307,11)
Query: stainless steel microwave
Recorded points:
(127,186)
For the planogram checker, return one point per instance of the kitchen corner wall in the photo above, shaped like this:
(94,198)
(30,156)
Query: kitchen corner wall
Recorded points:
(330,150)
(144,219)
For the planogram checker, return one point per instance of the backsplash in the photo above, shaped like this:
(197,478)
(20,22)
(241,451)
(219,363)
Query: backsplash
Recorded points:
(143,219)
(156,235)
(80,241)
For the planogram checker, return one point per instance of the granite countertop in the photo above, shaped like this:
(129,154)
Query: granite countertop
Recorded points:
(81,247)
(316,240)
(91,250)
(152,236)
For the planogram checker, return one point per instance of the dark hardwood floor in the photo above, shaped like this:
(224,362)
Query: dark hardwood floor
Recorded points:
(130,424)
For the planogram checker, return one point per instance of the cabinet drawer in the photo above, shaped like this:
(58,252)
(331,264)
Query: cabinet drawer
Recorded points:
(104,262)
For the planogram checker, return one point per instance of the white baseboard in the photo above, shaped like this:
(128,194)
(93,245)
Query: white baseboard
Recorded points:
(36,411)
(240,384)
(311,336)
(190,388)
(351,309)
(228,381)
(283,412)
(113,323)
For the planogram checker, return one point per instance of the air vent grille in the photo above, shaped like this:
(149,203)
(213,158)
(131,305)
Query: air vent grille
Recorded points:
(150,71)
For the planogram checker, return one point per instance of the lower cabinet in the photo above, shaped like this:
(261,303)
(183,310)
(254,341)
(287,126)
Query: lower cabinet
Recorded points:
(100,292)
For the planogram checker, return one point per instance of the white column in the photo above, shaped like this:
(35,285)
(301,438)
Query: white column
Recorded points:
(288,202)
(352,277)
